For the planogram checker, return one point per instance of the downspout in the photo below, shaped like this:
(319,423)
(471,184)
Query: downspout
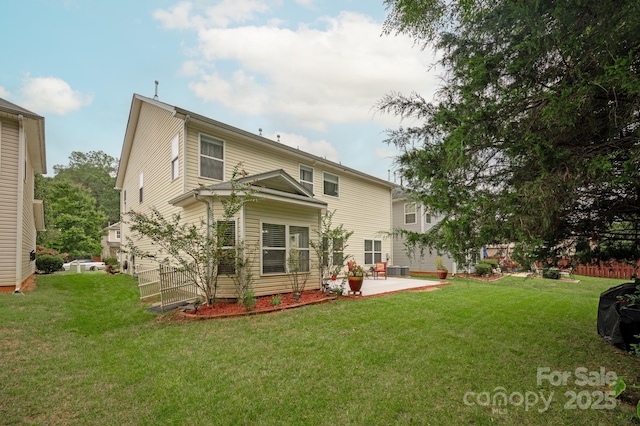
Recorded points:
(184,154)
(209,216)
(20,203)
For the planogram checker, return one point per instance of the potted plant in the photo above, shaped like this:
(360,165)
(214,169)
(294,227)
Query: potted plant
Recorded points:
(441,269)
(355,276)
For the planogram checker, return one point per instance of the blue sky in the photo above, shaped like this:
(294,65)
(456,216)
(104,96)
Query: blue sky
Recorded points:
(308,70)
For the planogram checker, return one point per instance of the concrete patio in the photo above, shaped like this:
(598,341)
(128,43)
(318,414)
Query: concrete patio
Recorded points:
(372,286)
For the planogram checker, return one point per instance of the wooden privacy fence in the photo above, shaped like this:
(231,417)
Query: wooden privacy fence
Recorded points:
(608,270)
(176,287)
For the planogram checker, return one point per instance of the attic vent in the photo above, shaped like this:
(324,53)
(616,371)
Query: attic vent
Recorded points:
(260,131)
(278,138)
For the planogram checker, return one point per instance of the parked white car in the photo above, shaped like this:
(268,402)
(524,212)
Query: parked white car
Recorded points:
(89,265)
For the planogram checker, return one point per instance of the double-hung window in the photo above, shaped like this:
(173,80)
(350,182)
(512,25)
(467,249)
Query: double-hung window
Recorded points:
(211,157)
(427,215)
(336,252)
(410,213)
(141,188)
(226,232)
(306,177)
(372,251)
(285,248)
(330,184)
(175,164)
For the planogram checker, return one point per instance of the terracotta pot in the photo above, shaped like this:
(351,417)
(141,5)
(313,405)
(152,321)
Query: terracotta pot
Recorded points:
(442,274)
(355,283)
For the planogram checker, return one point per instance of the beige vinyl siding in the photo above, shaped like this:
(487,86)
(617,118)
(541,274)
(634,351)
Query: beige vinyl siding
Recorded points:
(9,154)
(264,211)
(415,262)
(365,209)
(151,155)
(363,206)
(28,223)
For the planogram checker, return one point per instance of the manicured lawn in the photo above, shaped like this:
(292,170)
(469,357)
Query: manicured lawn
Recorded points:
(80,349)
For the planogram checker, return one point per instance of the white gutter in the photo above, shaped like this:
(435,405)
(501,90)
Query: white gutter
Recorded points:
(20,203)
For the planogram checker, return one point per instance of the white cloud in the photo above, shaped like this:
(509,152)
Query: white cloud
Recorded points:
(333,70)
(176,18)
(321,148)
(305,3)
(4,93)
(221,14)
(52,95)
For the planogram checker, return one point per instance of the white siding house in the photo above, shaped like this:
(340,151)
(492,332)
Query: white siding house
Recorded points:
(412,216)
(22,154)
(172,159)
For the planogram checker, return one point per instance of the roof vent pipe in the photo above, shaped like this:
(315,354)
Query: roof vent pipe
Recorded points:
(155,97)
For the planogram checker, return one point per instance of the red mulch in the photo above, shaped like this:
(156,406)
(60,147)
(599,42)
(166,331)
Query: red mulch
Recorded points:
(263,305)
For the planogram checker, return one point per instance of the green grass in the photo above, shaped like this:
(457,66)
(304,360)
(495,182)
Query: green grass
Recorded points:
(80,349)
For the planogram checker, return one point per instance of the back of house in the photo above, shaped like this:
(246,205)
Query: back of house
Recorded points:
(178,161)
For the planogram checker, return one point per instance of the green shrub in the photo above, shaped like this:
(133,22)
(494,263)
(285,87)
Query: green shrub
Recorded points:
(483,268)
(552,273)
(275,300)
(249,300)
(492,262)
(49,264)
(111,261)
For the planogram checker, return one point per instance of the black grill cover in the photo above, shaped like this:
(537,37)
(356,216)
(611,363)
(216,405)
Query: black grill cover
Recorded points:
(618,322)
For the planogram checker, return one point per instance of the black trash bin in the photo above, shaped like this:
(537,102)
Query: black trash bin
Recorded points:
(619,322)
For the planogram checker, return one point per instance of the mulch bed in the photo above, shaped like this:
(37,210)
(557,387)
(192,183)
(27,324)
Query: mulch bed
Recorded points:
(263,305)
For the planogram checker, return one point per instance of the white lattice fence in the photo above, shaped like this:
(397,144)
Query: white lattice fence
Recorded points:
(149,283)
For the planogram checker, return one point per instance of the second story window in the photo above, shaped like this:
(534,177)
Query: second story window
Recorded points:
(141,186)
(330,184)
(306,177)
(175,164)
(410,213)
(211,157)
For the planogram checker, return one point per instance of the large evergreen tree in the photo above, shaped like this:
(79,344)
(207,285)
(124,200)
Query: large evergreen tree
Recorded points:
(534,136)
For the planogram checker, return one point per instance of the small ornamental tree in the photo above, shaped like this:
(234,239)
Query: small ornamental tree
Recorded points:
(329,246)
(298,272)
(199,249)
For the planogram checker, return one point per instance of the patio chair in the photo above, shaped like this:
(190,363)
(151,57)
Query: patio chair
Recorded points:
(380,268)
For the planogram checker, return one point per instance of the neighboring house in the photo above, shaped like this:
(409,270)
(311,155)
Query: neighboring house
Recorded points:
(22,154)
(175,160)
(111,242)
(412,216)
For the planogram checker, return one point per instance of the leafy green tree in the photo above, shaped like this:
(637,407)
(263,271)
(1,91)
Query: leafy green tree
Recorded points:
(329,247)
(534,135)
(96,171)
(74,221)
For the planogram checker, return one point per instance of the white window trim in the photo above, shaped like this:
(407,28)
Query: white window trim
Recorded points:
(306,181)
(175,159)
(415,213)
(235,235)
(224,156)
(287,238)
(323,180)
(373,250)
(428,217)
(141,188)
